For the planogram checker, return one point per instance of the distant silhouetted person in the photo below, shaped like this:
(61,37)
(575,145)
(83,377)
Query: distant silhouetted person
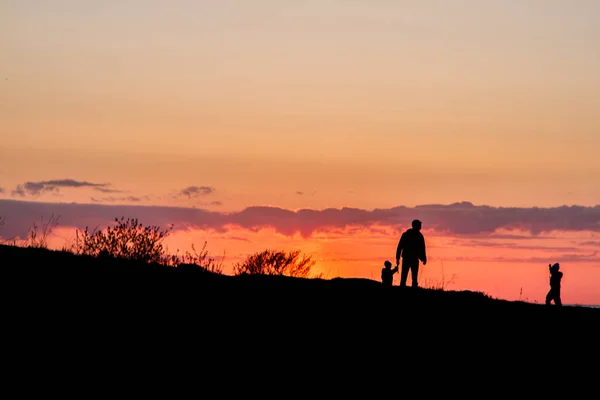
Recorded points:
(412,249)
(555,277)
(387,273)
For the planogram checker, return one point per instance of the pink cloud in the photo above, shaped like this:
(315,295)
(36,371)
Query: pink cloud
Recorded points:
(452,219)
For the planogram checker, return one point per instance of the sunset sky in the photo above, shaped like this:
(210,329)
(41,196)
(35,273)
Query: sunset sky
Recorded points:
(324,125)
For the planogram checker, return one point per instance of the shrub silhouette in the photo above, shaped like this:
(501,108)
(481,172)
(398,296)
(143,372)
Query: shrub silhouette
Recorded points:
(274,262)
(199,258)
(38,234)
(131,240)
(127,239)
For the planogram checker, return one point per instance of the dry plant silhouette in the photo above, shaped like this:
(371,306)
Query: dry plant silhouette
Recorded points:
(130,239)
(276,262)
(127,239)
(2,222)
(39,234)
(199,258)
(440,283)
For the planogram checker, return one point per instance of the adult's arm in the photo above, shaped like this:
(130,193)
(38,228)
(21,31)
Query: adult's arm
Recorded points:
(399,249)
(424,250)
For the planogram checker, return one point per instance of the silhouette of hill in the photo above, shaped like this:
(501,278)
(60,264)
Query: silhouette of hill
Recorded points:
(61,273)
(57,301)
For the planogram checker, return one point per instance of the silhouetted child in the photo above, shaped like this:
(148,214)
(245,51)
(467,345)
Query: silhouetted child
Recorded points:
(555,277)
(387,273)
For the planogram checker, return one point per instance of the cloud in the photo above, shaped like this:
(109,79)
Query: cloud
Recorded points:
(514,236)
(299,193)
(239,238)
(2,190)
(195,191)
(18,191)
(111,199)
(459,219)
(591,243)
(565,258)
(514,246)
(107,190)
(36,188)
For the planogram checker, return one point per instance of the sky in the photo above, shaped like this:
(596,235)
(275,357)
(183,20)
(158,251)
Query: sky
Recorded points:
(241,108)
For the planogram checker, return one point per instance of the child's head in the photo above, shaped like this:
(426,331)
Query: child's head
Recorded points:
(555,267)
(387,264)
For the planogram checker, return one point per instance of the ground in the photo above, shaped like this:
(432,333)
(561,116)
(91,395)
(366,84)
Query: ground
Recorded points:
(103,313)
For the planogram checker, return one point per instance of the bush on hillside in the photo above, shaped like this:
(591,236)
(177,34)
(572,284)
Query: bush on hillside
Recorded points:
(200,258)
(129,239)
(39,234)
(275,262)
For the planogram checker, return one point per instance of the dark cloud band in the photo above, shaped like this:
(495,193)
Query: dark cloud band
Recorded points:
(453,219)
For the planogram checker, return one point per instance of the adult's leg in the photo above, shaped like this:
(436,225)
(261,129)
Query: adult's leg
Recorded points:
(549,297)
(404,273)
(414,267)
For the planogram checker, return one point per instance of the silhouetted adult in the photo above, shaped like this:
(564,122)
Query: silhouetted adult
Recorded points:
(412,249)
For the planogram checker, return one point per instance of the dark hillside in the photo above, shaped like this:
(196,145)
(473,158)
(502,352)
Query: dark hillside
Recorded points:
(58,273)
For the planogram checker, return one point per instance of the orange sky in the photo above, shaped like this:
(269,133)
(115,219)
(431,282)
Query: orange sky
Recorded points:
(312,104)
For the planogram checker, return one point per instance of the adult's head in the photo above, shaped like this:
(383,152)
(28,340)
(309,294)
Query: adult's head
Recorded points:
(416,224)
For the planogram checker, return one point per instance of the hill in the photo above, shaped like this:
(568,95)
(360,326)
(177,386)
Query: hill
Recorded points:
(62,273)
(56,300)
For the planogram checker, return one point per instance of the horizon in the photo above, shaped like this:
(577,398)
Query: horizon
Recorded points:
(324,126)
